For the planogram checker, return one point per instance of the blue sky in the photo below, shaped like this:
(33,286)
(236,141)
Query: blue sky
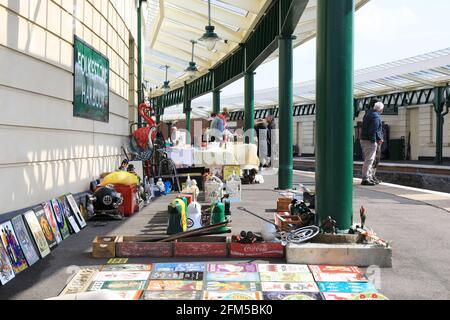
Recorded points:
(385,31)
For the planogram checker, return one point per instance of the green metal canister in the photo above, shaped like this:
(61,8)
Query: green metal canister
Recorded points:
(218,215)
(175,217)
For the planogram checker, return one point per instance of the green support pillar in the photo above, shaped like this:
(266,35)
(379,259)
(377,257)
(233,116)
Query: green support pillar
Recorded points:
(439,104)
(139,45)
(286,105)
(159,112)
(249,101)
(334,113)
(187,110)
(188,119)
(216,101)
(169,129)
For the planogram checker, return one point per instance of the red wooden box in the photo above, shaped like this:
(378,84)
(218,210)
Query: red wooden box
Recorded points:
(129,205)
(130,247)
(256,250)
(201,247)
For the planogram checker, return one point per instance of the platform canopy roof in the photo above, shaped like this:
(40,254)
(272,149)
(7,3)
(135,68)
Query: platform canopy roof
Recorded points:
(423,71)
(172,24)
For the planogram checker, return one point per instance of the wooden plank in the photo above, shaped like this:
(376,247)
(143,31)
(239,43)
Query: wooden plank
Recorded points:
(136,247)
(198,249)
(195,232)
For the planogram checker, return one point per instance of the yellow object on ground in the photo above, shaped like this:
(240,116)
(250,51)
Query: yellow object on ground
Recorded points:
(120,177)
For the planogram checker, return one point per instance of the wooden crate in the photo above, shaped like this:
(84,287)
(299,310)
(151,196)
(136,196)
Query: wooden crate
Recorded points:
(283,204)
(201,247)
(104,247)
(256,250)
(132,247)
(284,221)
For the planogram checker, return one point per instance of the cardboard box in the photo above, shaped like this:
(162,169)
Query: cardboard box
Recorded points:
(104,247)
(132,247)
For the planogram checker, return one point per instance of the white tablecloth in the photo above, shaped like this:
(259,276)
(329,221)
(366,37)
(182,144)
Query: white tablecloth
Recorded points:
(241,154)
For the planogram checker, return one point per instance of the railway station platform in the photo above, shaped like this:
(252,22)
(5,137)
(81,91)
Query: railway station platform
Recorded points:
(422,175)
(416,221)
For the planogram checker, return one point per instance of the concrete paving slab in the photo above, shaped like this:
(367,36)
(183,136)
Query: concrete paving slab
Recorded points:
(420,235)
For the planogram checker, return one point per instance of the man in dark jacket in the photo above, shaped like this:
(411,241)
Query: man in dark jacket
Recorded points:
(371,138)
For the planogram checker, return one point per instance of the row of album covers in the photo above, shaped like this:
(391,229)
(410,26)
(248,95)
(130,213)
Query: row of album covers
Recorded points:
(31,236)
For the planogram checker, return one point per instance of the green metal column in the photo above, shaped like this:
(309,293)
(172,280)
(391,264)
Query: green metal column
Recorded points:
(334,113)
(440,114)
(188,126)
(187,106)
(159,112)
(169,129)
(249,101)
(286,105)
(139,44)
(216,101)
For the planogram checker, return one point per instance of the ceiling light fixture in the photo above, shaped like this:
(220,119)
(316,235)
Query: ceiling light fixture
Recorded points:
(210,38)
(166,87)
(192,70)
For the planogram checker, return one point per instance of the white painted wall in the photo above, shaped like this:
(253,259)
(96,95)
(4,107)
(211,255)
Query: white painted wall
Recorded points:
(45,151)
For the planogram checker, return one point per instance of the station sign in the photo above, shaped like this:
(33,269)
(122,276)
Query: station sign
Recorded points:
(91,83)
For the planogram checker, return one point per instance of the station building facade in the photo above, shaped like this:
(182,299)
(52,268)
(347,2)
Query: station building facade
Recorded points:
(415,124)
(45,150)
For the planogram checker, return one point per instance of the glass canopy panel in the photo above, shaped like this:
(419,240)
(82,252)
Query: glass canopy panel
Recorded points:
(229,7)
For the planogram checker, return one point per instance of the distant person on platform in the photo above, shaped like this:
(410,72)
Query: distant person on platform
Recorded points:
(217,128)
(173,134)
(377,161)
(371,138)
(124,165)
(262,146)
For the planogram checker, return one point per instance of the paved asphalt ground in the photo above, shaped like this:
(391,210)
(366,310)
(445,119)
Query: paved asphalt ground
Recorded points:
(412,219)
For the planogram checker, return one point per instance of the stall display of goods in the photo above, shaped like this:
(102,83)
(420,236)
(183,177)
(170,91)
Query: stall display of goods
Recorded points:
(221,281)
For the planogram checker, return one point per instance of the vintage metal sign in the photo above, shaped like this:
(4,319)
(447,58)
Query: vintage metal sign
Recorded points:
(91,83)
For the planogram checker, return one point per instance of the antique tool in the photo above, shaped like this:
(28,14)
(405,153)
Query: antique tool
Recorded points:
(254,214)
(363,216)
(329,226)
(373,236)
(106,202)
(301,209)
(303,234)
(196,232)
(247,237)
